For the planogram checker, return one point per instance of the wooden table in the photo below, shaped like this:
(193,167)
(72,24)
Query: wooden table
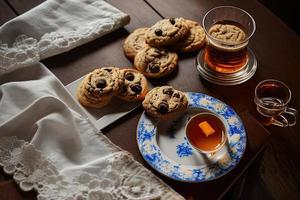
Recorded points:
(274,44)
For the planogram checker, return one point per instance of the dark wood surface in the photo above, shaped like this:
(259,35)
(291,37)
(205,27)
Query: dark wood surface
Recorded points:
(103,51)
(289,14)
(21,6)
(6,13)
(276,48)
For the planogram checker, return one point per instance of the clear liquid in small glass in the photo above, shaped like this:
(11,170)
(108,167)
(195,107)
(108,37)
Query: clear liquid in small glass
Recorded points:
(272,98)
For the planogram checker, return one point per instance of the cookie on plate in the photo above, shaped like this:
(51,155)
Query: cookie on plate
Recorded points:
(193,41)
(164,102)
(134,87)
(135,42)
(98,87)
(155,62)
(166,32)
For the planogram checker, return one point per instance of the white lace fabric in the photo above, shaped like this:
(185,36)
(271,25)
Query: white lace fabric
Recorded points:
(118,177)
(46,142)
(47,145)
(65,24)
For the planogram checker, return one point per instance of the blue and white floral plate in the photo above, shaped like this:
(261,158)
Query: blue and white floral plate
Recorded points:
(164,146)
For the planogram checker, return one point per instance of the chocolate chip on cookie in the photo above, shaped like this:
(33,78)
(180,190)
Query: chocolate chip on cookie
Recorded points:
(158,32)
(168,91)
(134,86)
(155,62)
(129,76)
(177,95)
(154,68)
(101,83)
(163,108)
(172,21)
(166,32)
(108,69)
(98,87)
(162,102)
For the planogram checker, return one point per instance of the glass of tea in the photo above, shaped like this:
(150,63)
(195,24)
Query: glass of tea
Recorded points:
(228,30)
(206,132)
(271,98)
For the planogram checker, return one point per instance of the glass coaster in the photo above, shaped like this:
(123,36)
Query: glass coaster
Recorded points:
(227,78)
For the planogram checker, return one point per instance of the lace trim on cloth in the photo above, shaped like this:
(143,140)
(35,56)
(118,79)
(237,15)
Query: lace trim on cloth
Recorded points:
(121,176)
(27,50)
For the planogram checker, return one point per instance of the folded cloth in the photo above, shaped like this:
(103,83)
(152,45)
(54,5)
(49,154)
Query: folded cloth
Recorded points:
(48,146)
(46,143)
(54,27)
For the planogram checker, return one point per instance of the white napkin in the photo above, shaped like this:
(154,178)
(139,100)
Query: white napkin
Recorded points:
(45,142)
(58,152)
(56,26)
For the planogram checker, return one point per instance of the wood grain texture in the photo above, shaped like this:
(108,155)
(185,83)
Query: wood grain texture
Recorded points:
(108,51)
(257,137)
(275,45)
(6,13)
(277,50)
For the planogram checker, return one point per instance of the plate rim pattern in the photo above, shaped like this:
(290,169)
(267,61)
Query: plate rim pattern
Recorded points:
(237,140)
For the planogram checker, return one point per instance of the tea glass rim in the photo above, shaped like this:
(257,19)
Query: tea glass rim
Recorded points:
(271,80)
(224,133)
(224,42)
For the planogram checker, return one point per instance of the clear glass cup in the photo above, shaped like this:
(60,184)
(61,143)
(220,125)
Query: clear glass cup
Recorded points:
(227,56)
(271,98)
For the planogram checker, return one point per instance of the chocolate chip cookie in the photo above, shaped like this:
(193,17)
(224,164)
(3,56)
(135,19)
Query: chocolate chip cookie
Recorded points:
(135,42)
(98,87)
(164,102)
(134,87)
(193,41)
(227,33)
(155,62)
(166,32)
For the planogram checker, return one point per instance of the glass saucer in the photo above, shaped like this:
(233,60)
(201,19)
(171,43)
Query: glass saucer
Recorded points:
(227,78)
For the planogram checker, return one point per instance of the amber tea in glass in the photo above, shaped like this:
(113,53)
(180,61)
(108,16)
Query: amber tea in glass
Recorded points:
(227,54)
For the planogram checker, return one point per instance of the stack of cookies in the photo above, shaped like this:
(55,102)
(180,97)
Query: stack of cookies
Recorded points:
(153,49)
(99,86)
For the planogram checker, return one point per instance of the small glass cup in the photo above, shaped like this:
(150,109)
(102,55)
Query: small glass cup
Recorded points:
(271,98)
(197,139)
(227,56)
